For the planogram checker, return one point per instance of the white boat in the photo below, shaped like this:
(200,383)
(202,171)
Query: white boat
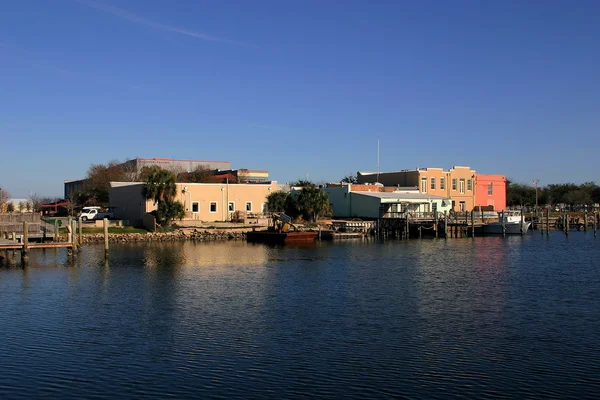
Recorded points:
(512,223)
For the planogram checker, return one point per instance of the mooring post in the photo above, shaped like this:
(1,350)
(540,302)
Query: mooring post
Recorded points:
(594,223)
(69,231)
(55,230)
(80,232)
(567,224)
(74,230)
(548,222)
(407,227)
(446,224)
(585,221)
(472,223)
(25,251)
(523,222)
(503,224)
(436,223)
(105,237)
(420,234)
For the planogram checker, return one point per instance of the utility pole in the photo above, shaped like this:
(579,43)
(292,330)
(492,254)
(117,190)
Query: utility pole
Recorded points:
(535,183)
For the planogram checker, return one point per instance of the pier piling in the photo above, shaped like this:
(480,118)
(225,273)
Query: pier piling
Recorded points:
(105,237)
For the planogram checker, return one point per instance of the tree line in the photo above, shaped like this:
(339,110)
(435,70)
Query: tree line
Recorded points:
(568,194)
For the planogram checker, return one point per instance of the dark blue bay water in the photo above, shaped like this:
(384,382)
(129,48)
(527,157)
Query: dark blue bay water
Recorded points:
(473,318)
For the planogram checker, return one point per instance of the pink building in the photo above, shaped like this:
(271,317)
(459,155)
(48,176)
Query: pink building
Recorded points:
(490,191)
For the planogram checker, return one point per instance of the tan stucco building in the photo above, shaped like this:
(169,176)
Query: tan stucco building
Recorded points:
(457,183)
(202,201)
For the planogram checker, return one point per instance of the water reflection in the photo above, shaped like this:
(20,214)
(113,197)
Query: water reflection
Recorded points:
(419,319)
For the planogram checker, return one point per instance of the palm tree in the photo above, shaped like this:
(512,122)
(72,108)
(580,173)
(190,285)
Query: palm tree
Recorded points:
(313,203)
(160,186)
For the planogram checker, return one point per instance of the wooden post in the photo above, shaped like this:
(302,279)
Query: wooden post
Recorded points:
(407,226)
(472,223)
(548,222)
(435,223)
(420,234)
(523,222)
(55,230)
(503,224)
(567,224)
(594,223)
(80,231)
(585,220)
(105,237)
(25,241)
(69,231)
(446,224)
(74,237)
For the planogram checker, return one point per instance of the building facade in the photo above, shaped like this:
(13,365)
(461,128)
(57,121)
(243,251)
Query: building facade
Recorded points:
(208,202)
(490,192)
(457,183)
(376,201)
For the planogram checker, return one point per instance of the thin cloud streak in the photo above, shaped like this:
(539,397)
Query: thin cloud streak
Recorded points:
(118,12)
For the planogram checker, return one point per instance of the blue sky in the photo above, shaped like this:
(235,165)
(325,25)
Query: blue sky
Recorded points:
(299,87)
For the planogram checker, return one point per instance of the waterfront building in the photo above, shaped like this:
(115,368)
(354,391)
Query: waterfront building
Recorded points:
(377,201)
(457,183)
(206,202)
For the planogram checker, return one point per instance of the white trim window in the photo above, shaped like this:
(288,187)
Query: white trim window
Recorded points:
(469,184)
(195,207)
(454,184)
(424,184)
(248,206)
(213,206)
(442,183)
(462,185)
(264,207)
(490,189)
(231,206)
(462,206)
(433,183)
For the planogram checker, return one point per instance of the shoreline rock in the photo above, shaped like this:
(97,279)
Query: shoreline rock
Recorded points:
(178,235)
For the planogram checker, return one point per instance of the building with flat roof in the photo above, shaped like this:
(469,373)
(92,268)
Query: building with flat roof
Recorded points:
(456,183)
(376,201)
(207,202)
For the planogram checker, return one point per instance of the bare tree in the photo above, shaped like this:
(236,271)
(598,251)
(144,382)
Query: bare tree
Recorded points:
(4,197)
(35,202)
(242,175)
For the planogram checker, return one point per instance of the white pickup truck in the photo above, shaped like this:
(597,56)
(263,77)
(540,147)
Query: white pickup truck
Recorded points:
(92,213)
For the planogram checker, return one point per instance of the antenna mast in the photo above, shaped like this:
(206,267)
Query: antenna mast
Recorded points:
(377,160)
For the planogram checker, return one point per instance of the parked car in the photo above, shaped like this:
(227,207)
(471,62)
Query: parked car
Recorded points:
(95,213)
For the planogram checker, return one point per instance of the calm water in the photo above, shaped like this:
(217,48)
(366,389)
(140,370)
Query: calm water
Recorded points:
(476,318)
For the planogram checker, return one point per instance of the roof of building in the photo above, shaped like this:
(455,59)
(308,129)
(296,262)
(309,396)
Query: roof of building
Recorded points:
(170,159)
(401,195)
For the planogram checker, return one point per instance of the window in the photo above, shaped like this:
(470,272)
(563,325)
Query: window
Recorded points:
(432,183)
(213,206)
(424,185)
(231,206)
(469,184)
(195,207)
(462,185)
(442,183)
(248,206)
(490,188)
(461,206)
(454,184)
(264,207)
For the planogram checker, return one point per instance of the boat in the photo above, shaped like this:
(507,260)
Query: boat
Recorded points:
(275,237)
(512,224)
(280,232)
